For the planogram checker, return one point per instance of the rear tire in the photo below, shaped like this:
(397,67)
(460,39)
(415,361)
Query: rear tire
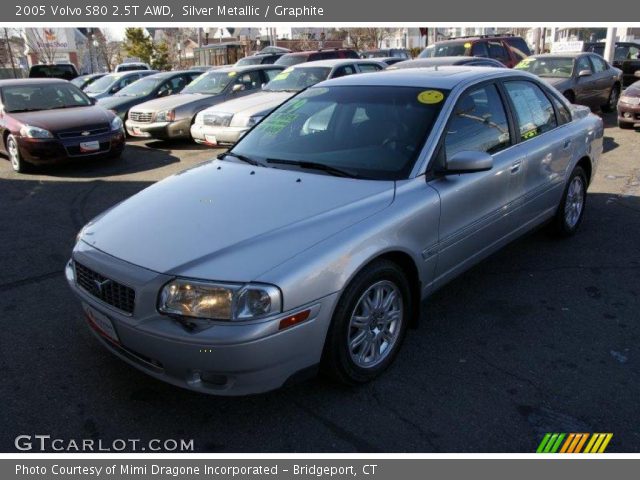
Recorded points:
(571,209)
(570,96)
(612,103)
(368,325)
(15,157)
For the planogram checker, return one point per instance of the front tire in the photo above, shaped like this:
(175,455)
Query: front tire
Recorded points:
(612,102)
(571,209)
(15,157)
(369,324)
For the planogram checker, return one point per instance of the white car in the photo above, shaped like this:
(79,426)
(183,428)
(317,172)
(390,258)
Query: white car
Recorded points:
(225,123)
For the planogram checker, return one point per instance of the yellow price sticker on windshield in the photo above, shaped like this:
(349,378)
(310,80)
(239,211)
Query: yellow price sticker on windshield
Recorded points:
(430,97)
(467,45)
(232,74)
(281,76)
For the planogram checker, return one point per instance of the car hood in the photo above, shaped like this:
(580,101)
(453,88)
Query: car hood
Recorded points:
(558,82)
(115,102)
(174,101)
(65,118)
(253,104)
(232,222)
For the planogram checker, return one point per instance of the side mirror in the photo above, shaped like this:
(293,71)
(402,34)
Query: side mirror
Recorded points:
(163,93)
(468,162)
(238,87)
(585,73)
(93,100)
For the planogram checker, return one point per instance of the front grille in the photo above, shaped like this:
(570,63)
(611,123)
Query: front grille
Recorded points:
(105,289)
(141,117)
(89,132)
(216,120)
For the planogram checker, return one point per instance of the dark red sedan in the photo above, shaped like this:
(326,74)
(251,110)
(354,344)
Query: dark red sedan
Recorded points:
(47,121)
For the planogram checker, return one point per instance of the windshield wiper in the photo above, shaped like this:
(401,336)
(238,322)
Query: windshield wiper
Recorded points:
(337,172)
(248,160)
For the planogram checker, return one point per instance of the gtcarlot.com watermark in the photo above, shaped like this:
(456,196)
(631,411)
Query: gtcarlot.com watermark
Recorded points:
(45,443)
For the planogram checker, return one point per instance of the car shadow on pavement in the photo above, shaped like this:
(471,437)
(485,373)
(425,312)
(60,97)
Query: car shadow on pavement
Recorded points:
(134,159)
(179,145)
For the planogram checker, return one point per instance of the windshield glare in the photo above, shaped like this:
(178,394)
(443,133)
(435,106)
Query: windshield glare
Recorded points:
(297,79)
(210,83)
(103,84)
(547,67)
(140,88)
(42,97)
(376,132)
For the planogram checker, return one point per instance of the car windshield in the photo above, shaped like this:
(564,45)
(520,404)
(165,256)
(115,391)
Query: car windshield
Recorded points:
(211,83)
(253,60)
(27,98)
(288,60)
(445,50)
(141,88)
(131,67)
(296,79)
(371,132)
(561,67)
(103,84)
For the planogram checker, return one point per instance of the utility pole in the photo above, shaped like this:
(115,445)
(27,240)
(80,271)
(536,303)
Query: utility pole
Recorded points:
(610,44)
(10,51)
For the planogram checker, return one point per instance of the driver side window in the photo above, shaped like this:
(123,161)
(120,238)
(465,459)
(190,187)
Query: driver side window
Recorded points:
(478,123)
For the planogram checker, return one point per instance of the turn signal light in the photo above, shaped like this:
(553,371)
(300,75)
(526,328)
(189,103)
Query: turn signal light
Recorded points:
(292,320)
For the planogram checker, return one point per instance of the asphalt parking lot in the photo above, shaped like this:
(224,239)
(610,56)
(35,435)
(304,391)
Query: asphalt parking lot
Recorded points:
(541,337)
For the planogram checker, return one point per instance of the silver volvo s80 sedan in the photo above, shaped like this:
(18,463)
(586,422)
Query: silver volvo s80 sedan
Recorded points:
(313,241)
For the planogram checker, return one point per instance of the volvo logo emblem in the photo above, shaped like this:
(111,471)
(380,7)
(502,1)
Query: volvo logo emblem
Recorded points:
(86,133)
(100,286)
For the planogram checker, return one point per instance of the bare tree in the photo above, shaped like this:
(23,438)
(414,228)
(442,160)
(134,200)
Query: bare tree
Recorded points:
(367,38)
(43,42)
(108,49)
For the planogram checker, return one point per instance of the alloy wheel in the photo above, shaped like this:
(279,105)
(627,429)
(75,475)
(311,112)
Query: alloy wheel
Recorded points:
(574,202)
(375,324)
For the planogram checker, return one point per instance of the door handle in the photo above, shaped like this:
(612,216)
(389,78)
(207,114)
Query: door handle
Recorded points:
(515,166)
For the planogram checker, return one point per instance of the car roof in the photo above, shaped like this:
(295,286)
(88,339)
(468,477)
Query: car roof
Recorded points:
(446,78)
(243,68)
(133,72)
(171,73)
(336,62)
(309,52)
(431,61)
(27,81)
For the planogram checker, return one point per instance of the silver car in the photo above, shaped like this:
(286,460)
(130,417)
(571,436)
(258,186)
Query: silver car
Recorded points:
(313,241)
(225,123)
(171,117)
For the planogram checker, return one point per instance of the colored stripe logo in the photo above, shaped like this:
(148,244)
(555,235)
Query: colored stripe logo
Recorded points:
(574,443)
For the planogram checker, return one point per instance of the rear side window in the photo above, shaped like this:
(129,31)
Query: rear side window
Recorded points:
(564,116)
(479,123)
(534,112)
(479,49)
(599,65)
(369,67)
(344,70)
(497,51)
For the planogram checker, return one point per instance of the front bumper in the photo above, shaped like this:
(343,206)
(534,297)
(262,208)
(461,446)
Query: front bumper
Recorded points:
(629,113)
(160,130)
(51,151)
(210,135)
(224,359)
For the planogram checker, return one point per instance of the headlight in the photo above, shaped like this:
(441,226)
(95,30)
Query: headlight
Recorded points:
(217,119)
(116,123)
(217,301)
(630,100)
(198,118)
(166,116)
(35,132)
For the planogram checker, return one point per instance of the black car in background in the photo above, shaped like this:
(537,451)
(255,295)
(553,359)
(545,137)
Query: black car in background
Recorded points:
(84,81)
(65,71)
(626,57)
(154,86)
